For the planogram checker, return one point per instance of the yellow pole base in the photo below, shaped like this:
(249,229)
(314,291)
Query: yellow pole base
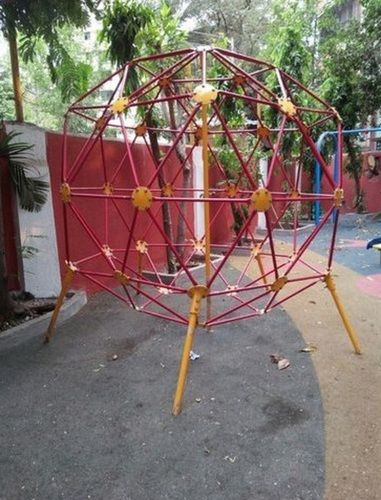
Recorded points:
(261,268)
(350,331)
(196,293)
(65,287)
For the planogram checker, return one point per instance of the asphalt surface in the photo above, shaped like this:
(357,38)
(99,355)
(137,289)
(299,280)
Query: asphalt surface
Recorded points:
(353,234)
(76,424)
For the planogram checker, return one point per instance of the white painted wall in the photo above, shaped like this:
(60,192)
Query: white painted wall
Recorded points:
(198,183)
(41,272)
(263,166)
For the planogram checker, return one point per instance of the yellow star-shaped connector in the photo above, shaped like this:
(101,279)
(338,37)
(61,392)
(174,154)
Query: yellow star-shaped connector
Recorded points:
(287,107)
(167,190)
(231,189)
(141,246)
(119,105)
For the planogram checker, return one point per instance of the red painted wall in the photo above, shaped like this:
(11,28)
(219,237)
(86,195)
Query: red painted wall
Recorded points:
(93,210)
(370,186)
(9,226)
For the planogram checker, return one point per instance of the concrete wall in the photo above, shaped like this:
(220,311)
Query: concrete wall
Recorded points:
(41,272)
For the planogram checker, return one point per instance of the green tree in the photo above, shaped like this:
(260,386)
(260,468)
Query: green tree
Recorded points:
(6,94)
(131,29)
(351,75)
(39,20)
(121,24)
(242,22)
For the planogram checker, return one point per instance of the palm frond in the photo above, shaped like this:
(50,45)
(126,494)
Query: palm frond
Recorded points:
(15,150)
(32,191)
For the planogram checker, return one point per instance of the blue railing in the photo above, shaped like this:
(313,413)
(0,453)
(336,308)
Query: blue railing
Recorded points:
(317,170)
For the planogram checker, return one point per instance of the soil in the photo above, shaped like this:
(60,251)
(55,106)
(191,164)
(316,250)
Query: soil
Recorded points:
(26,307)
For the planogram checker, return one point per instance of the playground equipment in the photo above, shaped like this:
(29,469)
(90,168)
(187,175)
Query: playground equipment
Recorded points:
(376,244)
(179,112)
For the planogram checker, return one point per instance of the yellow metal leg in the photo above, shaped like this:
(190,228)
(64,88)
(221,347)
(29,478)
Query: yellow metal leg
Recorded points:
(351,333)
(196,293)
(65,287)
(261,268)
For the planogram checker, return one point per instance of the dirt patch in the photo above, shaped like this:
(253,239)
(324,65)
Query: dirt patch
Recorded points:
(349,383)
(25,308)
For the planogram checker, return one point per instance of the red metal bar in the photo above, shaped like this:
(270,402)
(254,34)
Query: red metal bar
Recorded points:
(275,150)
(66,235)
(120,214)
(166,318)
(160,100)
(131,160)
(243,57)
(230,250)
(166,72)
(146,70)
(305,89)
(333,240)
(130,236)
(295,293)
(110,290)
(306,278)
(268,273)
(109,78)
(236,308)
(318,111)
(218,54)
(249,98)
(271,243)
(173,248)
(307,242)
(238,290)
(304,131)
(164,55)
(234,146)
(118,168)
(217,162)
(82,115)
(86,259)
(320,122)
(64,151)
(183,107)
(173,146)
(230,320)
(181,168)
(92,235)
(147,229)
(160,304)
(276,222)
(315,269)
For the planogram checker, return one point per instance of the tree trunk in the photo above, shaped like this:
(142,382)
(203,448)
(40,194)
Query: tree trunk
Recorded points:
(5,300)
(167,220)
(13,52)
(181,156)
(354,168)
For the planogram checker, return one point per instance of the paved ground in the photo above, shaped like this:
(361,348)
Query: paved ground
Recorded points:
(349,384)
(75,424)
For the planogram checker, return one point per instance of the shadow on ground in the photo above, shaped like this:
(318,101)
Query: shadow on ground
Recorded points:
(75,424)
